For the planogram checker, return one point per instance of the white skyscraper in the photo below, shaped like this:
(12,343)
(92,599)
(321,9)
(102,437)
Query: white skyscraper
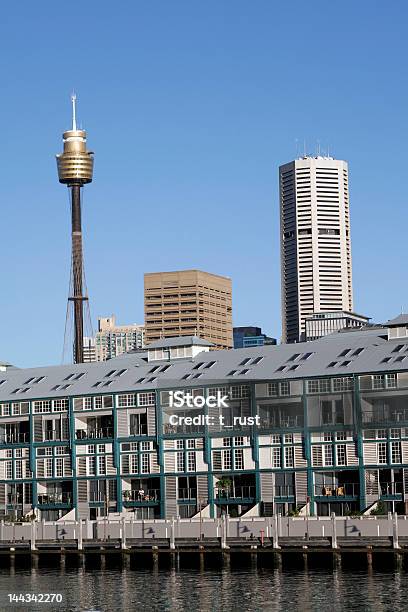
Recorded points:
(315,241)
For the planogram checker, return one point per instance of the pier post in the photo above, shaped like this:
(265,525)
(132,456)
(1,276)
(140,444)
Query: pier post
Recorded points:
(370,557)
(395,542)
(334,530)
(123,533)
(80,542)
(33,534)
(172,536)
(276,531)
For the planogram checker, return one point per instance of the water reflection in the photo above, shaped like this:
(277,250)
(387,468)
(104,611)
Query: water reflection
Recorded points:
(312,590)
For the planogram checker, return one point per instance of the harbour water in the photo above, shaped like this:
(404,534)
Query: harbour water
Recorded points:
(125,589)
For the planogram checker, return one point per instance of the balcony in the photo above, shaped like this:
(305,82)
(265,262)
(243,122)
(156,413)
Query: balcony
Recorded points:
(15,438)
(50,436)
(391,489)
(54,499)
(187,494)
(139,497)
(140,430)
(184,429)
(234,493)
(94,434)
(348,489)
(284,491)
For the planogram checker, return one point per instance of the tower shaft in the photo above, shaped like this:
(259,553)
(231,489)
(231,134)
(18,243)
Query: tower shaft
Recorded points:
(77,273)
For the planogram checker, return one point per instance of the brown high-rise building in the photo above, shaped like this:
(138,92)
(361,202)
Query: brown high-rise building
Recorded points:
(188,303)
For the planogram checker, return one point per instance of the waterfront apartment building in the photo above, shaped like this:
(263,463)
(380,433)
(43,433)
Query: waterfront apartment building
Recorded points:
(320,426)
(112,340)
(186,303)
(321,324)
(316,271)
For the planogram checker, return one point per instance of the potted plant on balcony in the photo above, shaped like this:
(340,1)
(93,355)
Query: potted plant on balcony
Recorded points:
(126,495)
(223,486)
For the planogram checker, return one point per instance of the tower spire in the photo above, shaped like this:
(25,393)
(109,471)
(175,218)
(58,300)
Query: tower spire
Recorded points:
(73,100)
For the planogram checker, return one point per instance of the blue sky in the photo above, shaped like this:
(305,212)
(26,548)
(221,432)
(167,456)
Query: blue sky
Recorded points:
(190,108)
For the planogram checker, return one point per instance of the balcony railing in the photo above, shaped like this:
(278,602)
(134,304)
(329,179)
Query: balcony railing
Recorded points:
(188,429)
(187,494)
(100,496)
(15,438)
(348,489)
(92,434)
(391,488)
(138,430)
(54,435)
(151,495)
(54,498)
(385,416)
(284,490)
(234,493)
(280,422)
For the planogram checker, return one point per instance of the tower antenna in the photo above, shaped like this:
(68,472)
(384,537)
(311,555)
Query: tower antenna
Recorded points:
(73,100)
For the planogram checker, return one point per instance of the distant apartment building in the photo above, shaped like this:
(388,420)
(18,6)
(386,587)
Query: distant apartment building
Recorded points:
(315,241)
(321,324)
(188,303)
(249,335)
(112,340)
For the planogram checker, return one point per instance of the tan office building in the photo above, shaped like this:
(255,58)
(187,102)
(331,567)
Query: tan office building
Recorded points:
(188,303)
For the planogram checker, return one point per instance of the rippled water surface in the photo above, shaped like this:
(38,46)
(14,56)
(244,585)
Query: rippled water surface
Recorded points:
(252,589)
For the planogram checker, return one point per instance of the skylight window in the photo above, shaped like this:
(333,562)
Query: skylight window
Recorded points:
(152,379)
(306,356)
(210,364)
(256,360)
(121,372)
(282,368)
(245,361)
(165,368)
(79,376)
(357,352)
(232,373)
(108,383)
(198,375)
(400,358)
(398,348)
(345,352)
(386,360)
(294,357)
(2,382)
(30,380)
(245,371)
(295,366)
(346,363)
(111,373)
(332,364)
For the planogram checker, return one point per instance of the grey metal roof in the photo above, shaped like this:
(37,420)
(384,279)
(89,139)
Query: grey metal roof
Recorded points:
(402,319)
(357,352)
(179,341)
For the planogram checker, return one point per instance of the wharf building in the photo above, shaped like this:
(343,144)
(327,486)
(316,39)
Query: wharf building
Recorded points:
(331,432)
(316,273)
(186,303)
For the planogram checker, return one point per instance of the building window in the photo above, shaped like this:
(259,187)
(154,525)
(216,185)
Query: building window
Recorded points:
(341,435)
(382,452)
(126,400)
(146,399)
(145,460)
(226,441)
(328,454)
(191,461)
(288,439)
(391,381)
(273,389)
(395,433)
(133,464)
(396,452)
(19,469)
(343,384)
(341,454)
(239,459)
(275,439)
(378,381)
(101,465)
(9,470)
(276,457)
(91,466)
(284,388)
(59,467)
(179,444)
(48,468)
(226,460)
(327,436)
(289,457)
(239,441)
